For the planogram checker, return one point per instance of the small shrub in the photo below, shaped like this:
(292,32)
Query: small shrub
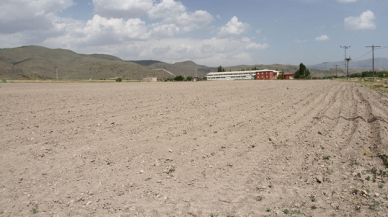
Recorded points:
(373,205)
(381,186)
(314,207)
(189,78)
(313,199)
(119,79)
(179,78)
(384,157)
(286,211)
(171,171)
(326,158)
(355,191)
(34,209)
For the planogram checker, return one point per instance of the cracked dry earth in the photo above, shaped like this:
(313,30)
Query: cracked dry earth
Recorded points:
(228,148)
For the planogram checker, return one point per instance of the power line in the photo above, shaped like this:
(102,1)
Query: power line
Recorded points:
(362,56)
(345,48)
(369,53)
(373,59)
(381,48)
(336,72)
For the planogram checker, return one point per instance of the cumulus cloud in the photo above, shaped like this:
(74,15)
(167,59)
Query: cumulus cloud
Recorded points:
(363,22)
(25,15)
(233,27)
(347,1)
(122,8)
(322,38)
(117,29)
(102,31)
(176,19)
(164,30)
(258,31)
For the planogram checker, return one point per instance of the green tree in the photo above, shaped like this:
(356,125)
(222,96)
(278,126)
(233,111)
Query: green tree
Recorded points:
(280,76)
(382,73)
(220,69)
(189,78)
(179,78)
(119,79)
(302,72)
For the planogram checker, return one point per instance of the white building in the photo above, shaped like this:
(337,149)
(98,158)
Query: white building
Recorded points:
(246,75)
(243,75)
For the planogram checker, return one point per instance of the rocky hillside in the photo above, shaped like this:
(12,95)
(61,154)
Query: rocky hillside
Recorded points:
(34,62)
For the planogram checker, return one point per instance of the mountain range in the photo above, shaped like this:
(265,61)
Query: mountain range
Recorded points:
(35,62)
(381,63)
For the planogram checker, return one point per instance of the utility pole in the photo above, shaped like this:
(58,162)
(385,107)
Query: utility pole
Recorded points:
(325,66)
(336,72)
(330,72)
(373,60)
(347,68)
(345,48)
(90,74)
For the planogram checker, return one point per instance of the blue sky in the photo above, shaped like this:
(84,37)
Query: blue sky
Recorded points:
(211,32)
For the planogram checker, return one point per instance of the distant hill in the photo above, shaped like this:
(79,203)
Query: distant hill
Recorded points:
(380,64)
(35,62)
(190,68)
(105,57)
(144,62)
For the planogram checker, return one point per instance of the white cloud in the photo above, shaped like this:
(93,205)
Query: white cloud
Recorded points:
(164,30)
(212,51)
(101,30)
(122,8)
(258,31)
(347,1)
(322,38)
(245,39)
(167,9)
(363,22)
(233,27)
(299,41)
(174,14)
(218,17)
(123,35)
(254,46)
(27,15)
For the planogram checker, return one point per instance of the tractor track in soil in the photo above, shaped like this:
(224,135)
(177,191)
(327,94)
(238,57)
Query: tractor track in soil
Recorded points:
(241,148)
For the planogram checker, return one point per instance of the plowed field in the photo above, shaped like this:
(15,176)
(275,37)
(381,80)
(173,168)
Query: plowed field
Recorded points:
(237,148)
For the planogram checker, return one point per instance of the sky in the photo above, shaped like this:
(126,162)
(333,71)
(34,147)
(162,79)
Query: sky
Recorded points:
(208,32)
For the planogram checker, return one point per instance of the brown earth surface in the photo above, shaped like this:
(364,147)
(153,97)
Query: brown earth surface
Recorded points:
(227,148)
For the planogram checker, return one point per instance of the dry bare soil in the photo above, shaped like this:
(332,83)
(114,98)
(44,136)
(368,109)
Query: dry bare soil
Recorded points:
(237,148)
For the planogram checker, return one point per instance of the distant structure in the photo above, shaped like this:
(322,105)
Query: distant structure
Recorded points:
(288,76)
(235,75)
(265,74)
(150,79)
